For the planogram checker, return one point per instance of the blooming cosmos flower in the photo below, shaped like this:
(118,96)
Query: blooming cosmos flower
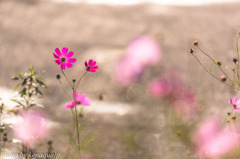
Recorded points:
(90,66)
(64,58)
(78,99)
(212,141)
(235,103)
(141,52)
(160,87)
(31,127)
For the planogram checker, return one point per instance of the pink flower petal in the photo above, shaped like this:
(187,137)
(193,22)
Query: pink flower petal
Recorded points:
(69,106)
(95,67)
(69,65)
(56,57)
(62,66)
(86,63)
(64,51)
(90,62)
(84,100)
(72,60)
(91,70)
(58,52)
(58,62)
(70,54)
(234,100)
(75,95)
(93,63)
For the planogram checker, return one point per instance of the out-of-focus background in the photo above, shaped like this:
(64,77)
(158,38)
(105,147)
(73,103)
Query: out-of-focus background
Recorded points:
(129,123)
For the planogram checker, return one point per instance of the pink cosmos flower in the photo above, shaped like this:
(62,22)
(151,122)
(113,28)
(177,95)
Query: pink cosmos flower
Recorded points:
(81,99)
(31,127)
(141,52)
(235,103)
(144,50)
(90,66)
(182,98)
(78,99)
(70,105)
(160,87)
(64,58)
(212,141)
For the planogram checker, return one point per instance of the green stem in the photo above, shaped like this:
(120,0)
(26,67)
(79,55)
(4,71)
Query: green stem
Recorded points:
(237,57)
(211,73)
(80,79)
(215,64)
(67,80)
(65,90)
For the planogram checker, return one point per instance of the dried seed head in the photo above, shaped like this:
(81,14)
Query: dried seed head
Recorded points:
(195,43)
(223,78)
(58,76)
(191,51)
(218,62)
(235,60)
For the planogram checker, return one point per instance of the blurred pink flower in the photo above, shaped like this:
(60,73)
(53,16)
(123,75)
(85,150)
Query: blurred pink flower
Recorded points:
(235,103)
(78,99)
(70,105)
(144,50)
(141,52)
(90,66)
(127,72)
(64,59)
(31,127)
(81,99)
(213,141)
(172,87)
(160,87)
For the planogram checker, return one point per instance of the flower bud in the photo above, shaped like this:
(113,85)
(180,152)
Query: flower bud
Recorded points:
(195,43)
(73,80)
(218,63)
(235,60)
(223,78)
(191,51)
(234,118)
(58,76)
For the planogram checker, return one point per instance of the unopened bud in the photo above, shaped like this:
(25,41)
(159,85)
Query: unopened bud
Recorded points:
(234,118)
(73,80)
(195,43)
(223,78)
(218,63)
(235,60)
(191,51)
(58,76)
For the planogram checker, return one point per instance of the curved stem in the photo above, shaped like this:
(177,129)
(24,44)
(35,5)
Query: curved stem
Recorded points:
(237,57)
(67,80)
(80,79)
(210,72)
(215,64)
(65,90)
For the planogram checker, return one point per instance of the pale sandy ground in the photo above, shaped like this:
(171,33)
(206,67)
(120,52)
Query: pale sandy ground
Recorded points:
(31,30)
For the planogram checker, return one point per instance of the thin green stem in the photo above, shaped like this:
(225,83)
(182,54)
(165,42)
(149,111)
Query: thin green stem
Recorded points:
(65,90)
(67,80)
(237,57)
(80,79)
(215,64)
(78,138)
(211,73)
